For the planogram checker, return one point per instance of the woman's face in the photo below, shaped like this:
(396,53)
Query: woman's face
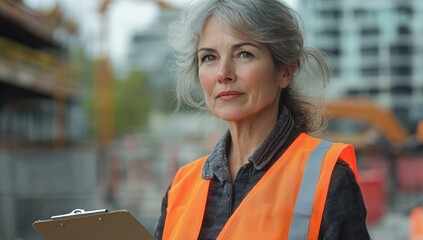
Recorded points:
(237,74)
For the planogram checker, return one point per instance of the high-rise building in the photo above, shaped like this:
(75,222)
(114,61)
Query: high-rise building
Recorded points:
(375,49)
(149,49)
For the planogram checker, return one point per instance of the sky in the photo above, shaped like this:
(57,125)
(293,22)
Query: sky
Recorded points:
(124,16)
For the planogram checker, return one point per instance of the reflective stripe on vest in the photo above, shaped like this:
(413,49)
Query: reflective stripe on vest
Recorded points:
(305,198)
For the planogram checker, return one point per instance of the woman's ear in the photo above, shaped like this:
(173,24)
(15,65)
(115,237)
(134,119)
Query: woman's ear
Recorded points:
(287,72)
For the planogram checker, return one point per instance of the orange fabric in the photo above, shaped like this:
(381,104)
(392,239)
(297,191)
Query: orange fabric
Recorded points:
(416,223)
(188,190)
(258,216)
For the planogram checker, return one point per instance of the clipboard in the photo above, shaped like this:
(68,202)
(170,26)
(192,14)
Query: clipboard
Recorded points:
(92,225)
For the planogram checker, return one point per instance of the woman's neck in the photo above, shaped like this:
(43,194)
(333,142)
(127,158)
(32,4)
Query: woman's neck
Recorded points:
(246,137)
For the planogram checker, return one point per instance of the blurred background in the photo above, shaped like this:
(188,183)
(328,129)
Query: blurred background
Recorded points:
(87,106)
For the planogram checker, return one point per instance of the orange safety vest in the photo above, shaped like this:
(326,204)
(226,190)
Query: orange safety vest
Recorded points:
(287,203)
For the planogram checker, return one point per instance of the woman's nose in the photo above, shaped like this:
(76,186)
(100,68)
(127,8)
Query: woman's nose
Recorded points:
(226,72)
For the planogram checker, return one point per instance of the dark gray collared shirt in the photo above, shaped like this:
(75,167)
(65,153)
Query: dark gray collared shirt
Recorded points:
(344,217)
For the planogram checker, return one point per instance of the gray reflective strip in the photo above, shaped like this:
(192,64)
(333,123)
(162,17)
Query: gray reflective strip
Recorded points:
(305,199)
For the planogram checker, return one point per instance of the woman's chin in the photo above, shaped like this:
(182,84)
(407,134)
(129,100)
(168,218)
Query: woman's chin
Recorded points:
(229,115)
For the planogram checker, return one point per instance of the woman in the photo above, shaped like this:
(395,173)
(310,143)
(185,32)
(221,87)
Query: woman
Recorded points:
(266,178)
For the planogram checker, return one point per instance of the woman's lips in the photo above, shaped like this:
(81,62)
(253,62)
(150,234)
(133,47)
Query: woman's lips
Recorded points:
(228,95)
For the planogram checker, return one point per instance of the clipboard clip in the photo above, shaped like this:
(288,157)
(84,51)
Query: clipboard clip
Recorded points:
(78,212)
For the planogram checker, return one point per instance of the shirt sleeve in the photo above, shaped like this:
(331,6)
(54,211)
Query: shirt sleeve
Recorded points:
(158,232)
(344,216)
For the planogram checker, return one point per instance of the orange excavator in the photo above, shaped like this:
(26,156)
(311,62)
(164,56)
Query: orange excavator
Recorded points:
(382,144)
(369,114)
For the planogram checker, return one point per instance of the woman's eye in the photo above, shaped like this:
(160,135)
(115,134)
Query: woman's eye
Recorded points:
(208,58)
(245,54)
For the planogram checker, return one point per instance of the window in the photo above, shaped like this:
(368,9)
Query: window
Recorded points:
(370,71)
(353,92)
(370,31)
(370,51)
(373,91)
(401,90)
(333,14)
(332,52)
(404,10)
(360,13)
(401,49)
(403,30)
(401,70)
(330,33)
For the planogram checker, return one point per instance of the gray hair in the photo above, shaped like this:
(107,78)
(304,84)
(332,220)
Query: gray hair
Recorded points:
(267,21)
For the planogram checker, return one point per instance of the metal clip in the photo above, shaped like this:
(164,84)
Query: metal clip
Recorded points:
(78,212)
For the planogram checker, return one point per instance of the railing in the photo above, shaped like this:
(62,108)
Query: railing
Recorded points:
(37,70)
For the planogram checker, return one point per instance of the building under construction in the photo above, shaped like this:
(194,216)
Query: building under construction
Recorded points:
(39,172)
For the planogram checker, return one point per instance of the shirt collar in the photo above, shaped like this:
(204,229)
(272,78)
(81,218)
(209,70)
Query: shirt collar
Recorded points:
(216,164)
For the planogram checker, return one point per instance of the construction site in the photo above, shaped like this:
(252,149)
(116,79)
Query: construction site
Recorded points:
(50,163)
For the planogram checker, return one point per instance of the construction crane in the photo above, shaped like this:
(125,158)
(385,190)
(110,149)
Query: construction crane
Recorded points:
(103,83)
